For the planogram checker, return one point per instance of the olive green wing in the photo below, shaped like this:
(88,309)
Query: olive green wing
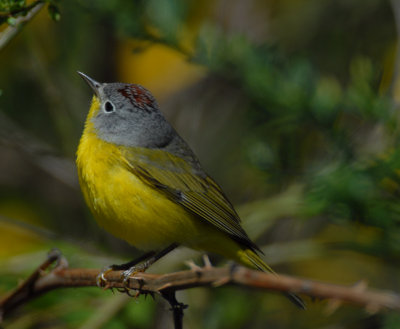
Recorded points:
(189,187)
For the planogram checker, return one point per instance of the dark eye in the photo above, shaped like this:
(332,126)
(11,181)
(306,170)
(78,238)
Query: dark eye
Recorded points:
(109,107)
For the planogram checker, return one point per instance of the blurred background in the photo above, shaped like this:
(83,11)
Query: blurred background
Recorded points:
(291,105)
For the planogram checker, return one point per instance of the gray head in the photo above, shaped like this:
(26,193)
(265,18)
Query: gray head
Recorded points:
(129,115)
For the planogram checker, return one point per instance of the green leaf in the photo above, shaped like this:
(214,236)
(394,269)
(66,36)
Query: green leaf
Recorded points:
(11,21)
(54,12)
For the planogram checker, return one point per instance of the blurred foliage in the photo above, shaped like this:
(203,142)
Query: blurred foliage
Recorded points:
(11,9)
(291,105)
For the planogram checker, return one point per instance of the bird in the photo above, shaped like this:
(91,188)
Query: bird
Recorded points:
(144,184)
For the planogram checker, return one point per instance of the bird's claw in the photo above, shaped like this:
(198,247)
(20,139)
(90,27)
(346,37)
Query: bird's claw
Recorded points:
(131,272)
(126,275)
(101,280)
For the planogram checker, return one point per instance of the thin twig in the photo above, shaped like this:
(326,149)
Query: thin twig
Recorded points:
(167,284)
(39,152)
(11,31)
(26,290)
(176,307)
(20,11)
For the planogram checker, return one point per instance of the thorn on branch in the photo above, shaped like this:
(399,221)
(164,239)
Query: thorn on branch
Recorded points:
(54,273)
(193,266)
(207,262)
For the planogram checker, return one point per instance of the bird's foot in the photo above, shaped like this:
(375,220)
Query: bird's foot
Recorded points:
(101,280)
(126,275)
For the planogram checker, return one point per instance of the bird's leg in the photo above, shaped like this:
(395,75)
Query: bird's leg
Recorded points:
(101,279)
(146,264)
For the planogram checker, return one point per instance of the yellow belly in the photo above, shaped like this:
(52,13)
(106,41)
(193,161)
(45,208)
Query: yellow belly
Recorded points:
(132,210)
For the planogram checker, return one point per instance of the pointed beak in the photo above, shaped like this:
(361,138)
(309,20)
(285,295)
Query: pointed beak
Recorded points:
(91,82)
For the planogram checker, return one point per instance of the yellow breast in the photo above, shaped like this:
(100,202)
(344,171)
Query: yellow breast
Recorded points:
(132,210)
(123,204)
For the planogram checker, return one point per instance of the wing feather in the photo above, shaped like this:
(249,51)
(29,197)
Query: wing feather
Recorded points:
(193,189)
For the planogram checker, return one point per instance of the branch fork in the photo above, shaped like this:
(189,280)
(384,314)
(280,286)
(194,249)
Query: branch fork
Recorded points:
(54,273)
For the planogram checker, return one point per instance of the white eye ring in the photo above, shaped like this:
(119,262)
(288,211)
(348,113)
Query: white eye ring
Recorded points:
(109,107)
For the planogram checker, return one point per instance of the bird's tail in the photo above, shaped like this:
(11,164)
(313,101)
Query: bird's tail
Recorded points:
(250,259)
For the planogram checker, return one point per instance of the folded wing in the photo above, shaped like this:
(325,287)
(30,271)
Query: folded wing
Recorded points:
(193,189)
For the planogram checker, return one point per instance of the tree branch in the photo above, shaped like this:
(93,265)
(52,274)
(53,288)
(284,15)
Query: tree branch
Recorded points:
(166,285)
(11,31)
